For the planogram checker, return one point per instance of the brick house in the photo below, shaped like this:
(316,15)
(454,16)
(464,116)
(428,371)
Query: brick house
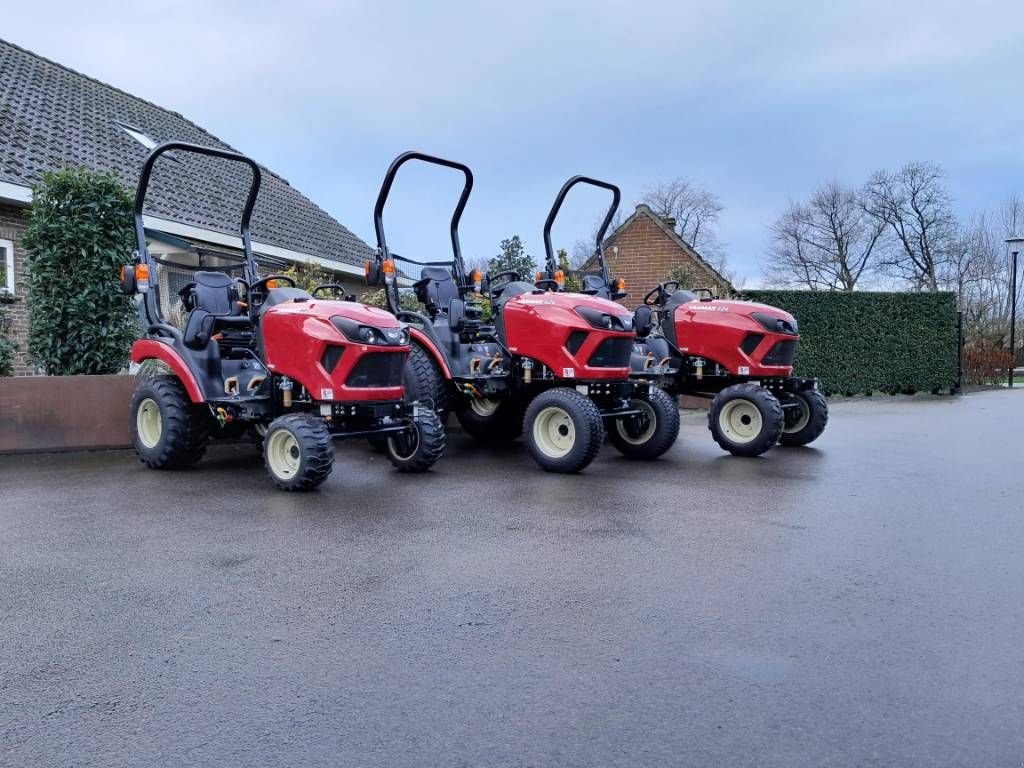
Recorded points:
(52,117)
(646,248)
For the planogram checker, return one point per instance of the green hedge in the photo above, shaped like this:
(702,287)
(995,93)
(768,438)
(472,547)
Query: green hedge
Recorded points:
(861,342)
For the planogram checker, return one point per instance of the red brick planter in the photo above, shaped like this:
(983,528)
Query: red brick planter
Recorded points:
(64,413)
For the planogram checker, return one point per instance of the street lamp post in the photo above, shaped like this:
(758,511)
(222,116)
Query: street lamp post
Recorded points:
(1014,244)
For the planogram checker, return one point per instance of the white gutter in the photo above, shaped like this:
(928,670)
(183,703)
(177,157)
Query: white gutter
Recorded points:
(235,241)
(15,193)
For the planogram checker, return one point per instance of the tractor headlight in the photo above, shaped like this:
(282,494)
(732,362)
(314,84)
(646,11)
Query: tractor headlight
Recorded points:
(368,334)
(598,319)
(775,324)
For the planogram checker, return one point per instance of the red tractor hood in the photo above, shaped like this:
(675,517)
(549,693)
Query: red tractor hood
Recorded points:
(326,309)
(742,308)
(570,301)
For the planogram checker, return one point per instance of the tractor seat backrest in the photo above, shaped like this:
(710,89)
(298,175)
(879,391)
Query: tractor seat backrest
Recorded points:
(595,286)
(436,288)
(213,292)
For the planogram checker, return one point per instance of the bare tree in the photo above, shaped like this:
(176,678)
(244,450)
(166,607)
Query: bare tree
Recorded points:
(915,207)
(825,244)
(695,210)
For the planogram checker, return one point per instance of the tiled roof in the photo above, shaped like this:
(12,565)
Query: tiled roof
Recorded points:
(52,117)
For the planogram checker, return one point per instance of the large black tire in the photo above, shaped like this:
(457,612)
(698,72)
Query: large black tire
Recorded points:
(804,424)
(563,429)
(169,431)
(745,419)
(417,450)
(298,451)
(424,381)
(647,436)
(502,425)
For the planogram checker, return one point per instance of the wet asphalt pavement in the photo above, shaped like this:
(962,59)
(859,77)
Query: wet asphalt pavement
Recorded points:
(856,603)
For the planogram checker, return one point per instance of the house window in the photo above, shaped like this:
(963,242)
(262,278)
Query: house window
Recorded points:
(6,267)
(136,134)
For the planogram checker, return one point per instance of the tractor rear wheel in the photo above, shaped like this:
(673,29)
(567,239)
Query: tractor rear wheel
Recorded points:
(805,423)
(169,431)
(745,419)
(652,432)
(491,421)
(298,451)
(416,449)
(564,430)
(424,381)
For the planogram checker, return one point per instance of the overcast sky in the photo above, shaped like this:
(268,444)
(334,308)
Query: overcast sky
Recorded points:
(757,101)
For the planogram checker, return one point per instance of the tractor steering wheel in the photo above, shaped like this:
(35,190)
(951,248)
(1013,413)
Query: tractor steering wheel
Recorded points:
(510,275)
(337,288)
(258,290)
(657,295)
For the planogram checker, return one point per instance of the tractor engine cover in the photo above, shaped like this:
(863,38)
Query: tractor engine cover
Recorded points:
(575,335)
(325,346)
(746,338)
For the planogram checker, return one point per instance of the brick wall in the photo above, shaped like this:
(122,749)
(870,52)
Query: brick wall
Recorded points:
(13,221)
(646,255)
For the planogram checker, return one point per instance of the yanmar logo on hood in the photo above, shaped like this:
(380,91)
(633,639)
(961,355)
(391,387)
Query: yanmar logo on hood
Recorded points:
(707,308)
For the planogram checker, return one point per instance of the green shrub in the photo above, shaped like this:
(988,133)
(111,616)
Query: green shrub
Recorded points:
(80,234)
(7,347)
(861,342)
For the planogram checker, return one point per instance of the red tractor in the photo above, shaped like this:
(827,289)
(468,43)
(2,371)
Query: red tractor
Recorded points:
(552,365)
(259,354)
(737,353)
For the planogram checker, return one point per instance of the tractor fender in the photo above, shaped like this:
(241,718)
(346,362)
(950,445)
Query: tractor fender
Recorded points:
(150,349)
(428,344)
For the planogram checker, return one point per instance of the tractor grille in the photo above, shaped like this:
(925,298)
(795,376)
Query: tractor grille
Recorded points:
(331,357)
(781,354)
(750,343)
(612,353)
(378,369)
(575,341)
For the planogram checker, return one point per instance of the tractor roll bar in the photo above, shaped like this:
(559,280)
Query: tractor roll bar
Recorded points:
(385,190)
(552,264)
(251,270)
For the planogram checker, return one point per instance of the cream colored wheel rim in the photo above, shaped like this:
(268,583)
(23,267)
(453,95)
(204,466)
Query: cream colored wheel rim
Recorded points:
(283,454)
(553,432)
(482,406)
(805,416)
(652,424)
(149,423)
(412,446)
(740,421)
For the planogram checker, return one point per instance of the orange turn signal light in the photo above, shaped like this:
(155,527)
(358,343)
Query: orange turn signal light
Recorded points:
(142,277)
(271,284)
(476,277)
(560,278)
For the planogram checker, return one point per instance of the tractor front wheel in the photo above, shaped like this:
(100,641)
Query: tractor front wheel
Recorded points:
(650,433)
(418,448)
(298,451)
(564,430)
(806,421)
(745,419)
(169,431)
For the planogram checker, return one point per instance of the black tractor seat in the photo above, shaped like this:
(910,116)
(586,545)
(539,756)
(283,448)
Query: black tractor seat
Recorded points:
(214,308)
(435,289)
